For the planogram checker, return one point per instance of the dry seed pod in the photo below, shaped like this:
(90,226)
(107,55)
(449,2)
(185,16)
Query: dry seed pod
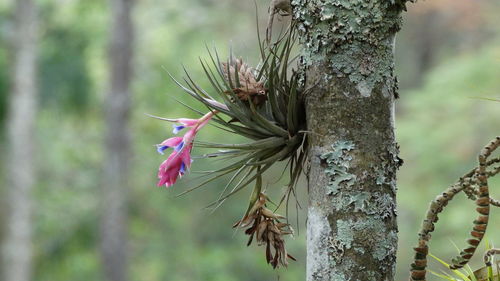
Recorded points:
(260,230)
(268,230)
(268,213)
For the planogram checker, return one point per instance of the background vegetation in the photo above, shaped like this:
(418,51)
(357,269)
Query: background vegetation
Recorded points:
(447,52)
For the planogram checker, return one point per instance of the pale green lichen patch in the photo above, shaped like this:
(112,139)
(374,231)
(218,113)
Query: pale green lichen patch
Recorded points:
(337,164)
(367,236)
(381,178)
(359,250)
(345,233)
(341,182)
(369,203)
(354,36)
(386,249)
(373,203)
(337,277)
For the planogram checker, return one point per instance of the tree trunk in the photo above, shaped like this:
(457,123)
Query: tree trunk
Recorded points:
(116,169)
(17,248)
(348,67)
(425,43)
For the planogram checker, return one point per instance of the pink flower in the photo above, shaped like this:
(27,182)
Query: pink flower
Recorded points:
(184,123)
(175,166)
(180,159)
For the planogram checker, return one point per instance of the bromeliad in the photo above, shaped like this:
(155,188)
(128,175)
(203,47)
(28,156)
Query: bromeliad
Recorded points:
(262,104)
(180,159)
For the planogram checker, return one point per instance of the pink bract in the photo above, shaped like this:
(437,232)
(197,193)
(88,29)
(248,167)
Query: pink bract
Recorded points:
(180,159)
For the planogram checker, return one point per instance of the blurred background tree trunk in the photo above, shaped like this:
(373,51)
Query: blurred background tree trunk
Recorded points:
(116,164)
(348,65)
(17,244)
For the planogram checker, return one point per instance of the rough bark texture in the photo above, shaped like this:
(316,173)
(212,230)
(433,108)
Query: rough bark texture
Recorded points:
(115,189)
(17,248)
(348,64)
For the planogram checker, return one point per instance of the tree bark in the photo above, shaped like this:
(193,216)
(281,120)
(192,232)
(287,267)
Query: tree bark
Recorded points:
(116,168)
(17,249)
(348,67)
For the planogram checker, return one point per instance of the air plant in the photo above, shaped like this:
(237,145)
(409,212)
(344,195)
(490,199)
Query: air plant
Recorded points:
(262,104)
(475,185)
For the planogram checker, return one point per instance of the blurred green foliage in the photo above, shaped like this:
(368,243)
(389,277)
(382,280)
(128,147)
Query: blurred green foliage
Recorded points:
(64,81)
(3,69)
(440,130)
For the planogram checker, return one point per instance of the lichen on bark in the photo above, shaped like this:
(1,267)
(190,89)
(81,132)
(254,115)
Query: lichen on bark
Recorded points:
(338,163)
(355,37)
(348,69)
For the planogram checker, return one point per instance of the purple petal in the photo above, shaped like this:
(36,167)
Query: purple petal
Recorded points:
(161,148)
(183,168)
(179,146)
(177,128)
